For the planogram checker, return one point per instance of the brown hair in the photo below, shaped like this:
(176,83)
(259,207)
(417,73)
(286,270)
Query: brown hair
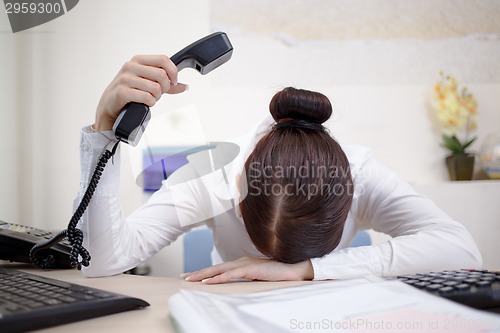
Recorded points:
(299,185)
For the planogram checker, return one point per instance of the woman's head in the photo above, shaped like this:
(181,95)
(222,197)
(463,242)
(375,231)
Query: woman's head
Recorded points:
(299,185)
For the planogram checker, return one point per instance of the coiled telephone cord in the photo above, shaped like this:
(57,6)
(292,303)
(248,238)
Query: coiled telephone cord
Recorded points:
(74,234)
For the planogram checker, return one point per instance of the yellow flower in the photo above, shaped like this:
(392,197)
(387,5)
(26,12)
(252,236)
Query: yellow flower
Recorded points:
(456,110)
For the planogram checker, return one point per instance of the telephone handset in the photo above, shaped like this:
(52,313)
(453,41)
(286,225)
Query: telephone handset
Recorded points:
(204,56)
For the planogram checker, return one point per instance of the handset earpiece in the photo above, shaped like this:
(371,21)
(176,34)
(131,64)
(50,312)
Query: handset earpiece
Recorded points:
(204,55)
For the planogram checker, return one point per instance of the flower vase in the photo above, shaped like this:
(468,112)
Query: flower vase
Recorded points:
(460,166)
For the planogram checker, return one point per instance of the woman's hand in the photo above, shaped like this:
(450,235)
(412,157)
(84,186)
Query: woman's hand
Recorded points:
(253,269)
(143,79)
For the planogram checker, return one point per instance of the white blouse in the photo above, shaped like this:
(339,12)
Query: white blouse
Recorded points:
(424,238)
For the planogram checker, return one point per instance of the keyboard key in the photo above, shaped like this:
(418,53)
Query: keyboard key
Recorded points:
(488,275)
(411,281)
(52,301)
(463,286)
(487,278)
(483,283)
(434,286)
(421,284)
(446,290)
(426,279)
(451,283)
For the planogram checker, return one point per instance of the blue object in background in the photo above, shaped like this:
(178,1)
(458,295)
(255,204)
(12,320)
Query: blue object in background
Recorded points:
(362,238)
(159,163)
(198,245)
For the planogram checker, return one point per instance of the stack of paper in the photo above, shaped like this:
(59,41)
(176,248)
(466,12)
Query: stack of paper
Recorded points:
(334,306)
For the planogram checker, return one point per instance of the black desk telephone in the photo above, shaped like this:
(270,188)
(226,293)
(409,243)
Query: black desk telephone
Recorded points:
(16,242)
(27,244)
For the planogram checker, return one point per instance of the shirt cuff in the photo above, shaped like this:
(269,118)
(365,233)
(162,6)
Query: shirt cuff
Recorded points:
(92,145)
(99,137)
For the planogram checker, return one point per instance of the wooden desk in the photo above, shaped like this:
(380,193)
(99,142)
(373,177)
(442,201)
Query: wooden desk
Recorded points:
(154,290)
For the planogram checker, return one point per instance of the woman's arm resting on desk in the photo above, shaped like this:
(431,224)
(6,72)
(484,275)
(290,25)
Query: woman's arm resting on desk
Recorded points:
(424,237)
(253,269)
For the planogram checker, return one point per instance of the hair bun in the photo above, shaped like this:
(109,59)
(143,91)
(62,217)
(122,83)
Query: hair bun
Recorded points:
(300,104)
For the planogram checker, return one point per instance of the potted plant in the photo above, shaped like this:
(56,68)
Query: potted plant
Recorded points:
(456,111)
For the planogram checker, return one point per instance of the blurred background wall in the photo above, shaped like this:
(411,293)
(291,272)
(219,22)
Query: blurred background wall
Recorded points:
(377,60)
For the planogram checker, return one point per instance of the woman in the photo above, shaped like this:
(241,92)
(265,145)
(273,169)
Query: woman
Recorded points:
(295,200)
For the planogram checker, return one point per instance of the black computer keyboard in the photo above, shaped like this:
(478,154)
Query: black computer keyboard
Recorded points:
(479,289)
(29,302)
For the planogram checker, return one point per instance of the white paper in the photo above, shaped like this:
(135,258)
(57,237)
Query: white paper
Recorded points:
(339,306)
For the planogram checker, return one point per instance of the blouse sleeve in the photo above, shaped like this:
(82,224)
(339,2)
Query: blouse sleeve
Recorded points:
(117,243)
(424,237)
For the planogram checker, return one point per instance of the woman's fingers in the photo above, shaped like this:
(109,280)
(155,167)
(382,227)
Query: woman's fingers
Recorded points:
(153,79)
(143,79)
(159,61)
(212,271)
(133,81)
(178,88)
(251,268)
(243,268)
(228,276)
(127,94)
